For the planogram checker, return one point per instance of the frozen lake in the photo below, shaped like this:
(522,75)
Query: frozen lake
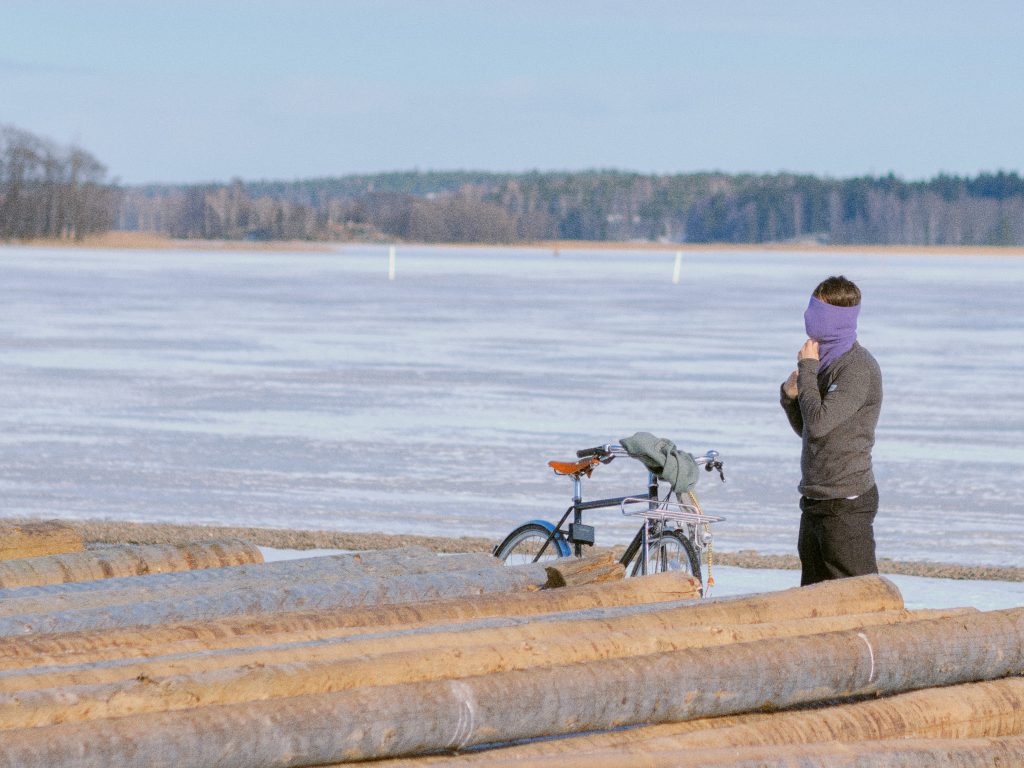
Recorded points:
(307,390)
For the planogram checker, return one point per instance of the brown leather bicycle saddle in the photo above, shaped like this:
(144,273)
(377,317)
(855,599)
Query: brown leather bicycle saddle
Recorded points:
(575,468)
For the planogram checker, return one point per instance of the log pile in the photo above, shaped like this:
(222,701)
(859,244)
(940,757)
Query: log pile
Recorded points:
(413,659)
(125,560)
(38,539)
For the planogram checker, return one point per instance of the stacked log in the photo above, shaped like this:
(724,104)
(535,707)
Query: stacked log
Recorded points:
(967,711)
(341,581)
(640,614)
(35,699)
(601,567)
(408,718)
(193,583)
(37,539)
(430,655)
(126,560)
(887,753)
(300,626)
(249,600)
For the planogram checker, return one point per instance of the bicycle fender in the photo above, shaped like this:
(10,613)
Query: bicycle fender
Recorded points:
(559,539)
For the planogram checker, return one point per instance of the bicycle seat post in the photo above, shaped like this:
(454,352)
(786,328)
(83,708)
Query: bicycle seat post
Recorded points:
(577,513)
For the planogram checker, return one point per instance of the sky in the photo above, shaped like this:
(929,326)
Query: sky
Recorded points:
(184,91)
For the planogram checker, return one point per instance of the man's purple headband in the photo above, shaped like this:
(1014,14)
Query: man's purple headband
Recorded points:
(834,328)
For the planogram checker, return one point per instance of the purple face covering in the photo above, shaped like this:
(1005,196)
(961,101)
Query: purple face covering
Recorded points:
(834,328)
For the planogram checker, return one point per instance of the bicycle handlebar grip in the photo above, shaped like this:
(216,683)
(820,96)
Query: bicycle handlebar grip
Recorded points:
(587,452)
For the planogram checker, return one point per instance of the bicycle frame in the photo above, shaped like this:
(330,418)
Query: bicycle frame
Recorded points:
(576,533)
(670,528)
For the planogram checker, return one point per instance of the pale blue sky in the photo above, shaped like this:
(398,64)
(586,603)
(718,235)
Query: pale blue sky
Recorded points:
(285,89)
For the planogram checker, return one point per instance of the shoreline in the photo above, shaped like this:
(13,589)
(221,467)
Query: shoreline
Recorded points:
(119,239)
(103,532)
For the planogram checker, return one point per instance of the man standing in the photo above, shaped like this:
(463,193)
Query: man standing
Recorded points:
(832,401)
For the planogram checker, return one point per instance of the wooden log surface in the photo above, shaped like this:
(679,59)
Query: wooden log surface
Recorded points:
(890,753)
(433,651)
(300,626)
(45,697)
(416,717)
(658,620)
(346,592)
(213,581)
(583,570)
(126,560)
(20,539)
(970,710)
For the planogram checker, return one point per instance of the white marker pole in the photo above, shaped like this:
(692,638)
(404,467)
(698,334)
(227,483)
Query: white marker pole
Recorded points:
(391,263)
(679,265)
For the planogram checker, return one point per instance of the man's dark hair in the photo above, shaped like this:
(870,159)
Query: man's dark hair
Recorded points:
(838,291)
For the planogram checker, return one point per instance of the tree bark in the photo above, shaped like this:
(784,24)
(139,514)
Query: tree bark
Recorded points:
(300,626)
(244,600)
(968,711)
(586,570)
(866,594)
(125,560)
(49,696)
(37,539)
(421,717)
(185,585)
(890,753)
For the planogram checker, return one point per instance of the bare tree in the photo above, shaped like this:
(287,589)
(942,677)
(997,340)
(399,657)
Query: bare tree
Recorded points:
(47,191)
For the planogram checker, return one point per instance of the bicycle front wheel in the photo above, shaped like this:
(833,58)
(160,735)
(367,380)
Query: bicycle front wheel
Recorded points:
(668,551)
(525,543)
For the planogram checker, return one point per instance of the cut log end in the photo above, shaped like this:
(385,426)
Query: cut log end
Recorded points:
(586,570)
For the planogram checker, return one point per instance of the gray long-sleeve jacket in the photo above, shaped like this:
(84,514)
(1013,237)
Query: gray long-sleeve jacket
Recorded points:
(835,414)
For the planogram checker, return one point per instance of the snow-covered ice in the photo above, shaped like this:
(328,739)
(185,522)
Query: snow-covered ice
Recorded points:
(309,391)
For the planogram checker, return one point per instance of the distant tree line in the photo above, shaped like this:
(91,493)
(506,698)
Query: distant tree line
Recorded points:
(51,191)
(595,205)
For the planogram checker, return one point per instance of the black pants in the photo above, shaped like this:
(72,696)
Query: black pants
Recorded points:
(837,537)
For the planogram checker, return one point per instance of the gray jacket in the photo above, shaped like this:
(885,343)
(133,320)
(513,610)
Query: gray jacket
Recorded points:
(835,414)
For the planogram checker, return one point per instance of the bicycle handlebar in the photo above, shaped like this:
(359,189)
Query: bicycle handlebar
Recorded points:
(708,459)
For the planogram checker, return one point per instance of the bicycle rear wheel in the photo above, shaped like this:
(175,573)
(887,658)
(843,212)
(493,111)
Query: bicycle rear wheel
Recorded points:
(668,551)
(525,542)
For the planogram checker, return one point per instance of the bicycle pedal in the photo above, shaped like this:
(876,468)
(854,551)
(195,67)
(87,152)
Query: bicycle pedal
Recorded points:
(581,534)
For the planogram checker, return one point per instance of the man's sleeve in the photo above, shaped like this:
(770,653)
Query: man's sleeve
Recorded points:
(844,397)
(792,408)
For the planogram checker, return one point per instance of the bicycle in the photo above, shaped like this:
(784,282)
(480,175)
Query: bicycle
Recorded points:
(672,537)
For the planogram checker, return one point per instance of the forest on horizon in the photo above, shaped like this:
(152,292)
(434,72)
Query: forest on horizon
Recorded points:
(63,192)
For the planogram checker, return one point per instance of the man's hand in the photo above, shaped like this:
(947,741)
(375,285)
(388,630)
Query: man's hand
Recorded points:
(809,351)
(790,387)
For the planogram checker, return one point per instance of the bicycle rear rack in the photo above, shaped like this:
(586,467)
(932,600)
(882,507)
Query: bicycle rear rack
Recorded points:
(666,510)
(659,510)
